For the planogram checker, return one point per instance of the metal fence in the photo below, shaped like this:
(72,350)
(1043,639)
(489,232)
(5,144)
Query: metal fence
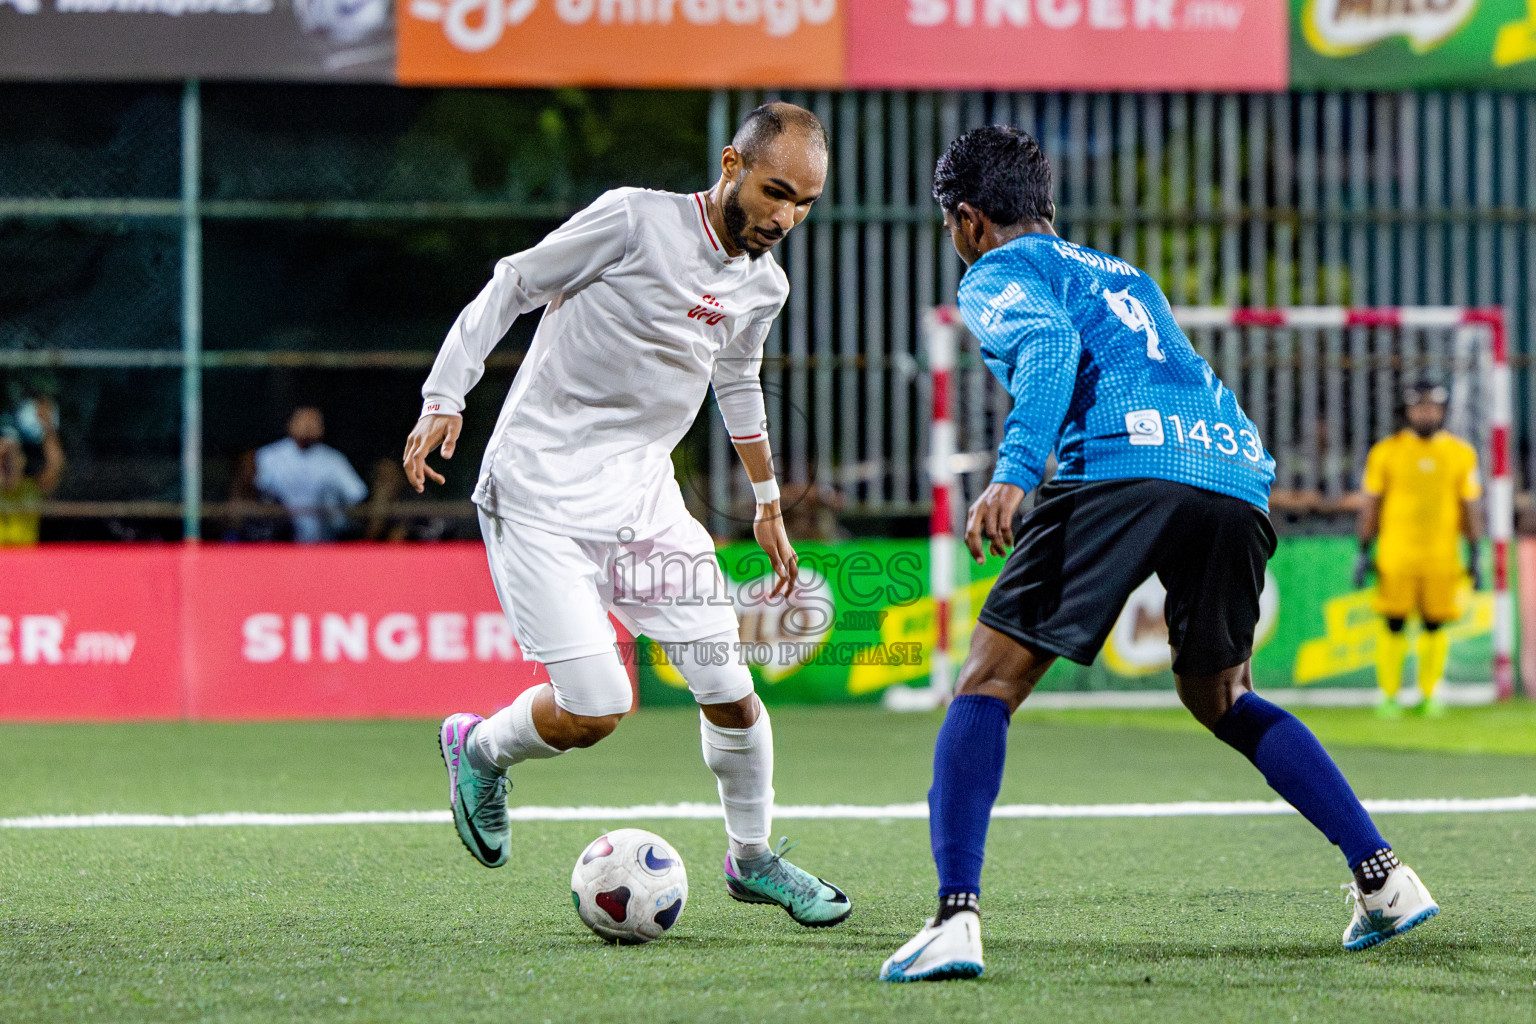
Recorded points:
(1317,417)
(1286,199)
(1258,200)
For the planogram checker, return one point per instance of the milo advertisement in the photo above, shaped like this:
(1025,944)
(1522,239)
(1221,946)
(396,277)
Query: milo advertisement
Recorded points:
(862,619)
(1413,44)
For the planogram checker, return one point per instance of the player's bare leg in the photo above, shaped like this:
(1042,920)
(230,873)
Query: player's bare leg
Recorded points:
(1388,897)
(1210,697)
(999,666)
(564,730)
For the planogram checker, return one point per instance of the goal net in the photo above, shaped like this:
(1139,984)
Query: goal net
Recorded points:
(1323,383)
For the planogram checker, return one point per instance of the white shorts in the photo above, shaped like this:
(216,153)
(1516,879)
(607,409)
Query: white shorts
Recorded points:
(558,591)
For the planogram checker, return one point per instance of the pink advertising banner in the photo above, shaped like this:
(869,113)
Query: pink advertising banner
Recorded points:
(253,632)
(1234,45)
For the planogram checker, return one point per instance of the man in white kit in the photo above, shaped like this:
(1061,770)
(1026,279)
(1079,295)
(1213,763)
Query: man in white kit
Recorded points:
(651,298)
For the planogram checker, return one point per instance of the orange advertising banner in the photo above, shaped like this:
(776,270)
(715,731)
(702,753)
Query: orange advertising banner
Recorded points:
(636,43)
(1234,45)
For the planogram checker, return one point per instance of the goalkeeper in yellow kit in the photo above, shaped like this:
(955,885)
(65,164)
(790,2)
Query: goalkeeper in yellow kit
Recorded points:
(1421,490)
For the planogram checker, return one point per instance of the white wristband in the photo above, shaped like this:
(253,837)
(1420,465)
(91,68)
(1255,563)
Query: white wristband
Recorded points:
(767,491)
(438,407)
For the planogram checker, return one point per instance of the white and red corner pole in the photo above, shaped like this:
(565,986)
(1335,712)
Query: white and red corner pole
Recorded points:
(1501,497)
(943,328)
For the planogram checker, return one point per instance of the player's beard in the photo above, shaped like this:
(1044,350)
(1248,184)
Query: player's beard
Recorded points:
(736,224)
(1426,431)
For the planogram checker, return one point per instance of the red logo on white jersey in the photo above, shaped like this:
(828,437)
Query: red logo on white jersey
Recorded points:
(710,311)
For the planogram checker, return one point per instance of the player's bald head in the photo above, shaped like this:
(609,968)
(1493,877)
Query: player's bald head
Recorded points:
(761,128)
(770,174)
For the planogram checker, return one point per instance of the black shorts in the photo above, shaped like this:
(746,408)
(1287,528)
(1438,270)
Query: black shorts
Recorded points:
(1081,551)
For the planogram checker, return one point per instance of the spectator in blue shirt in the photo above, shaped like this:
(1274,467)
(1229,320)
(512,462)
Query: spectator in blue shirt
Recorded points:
(313,481)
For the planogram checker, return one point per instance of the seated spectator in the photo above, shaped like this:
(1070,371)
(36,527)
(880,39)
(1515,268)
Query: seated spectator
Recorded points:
(21,494)
(250,515)
(313,481)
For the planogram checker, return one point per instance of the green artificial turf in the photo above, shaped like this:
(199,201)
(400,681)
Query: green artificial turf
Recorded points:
(824,755)
(1507,728)
(1195,919)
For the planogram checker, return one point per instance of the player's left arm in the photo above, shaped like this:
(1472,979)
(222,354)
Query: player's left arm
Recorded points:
(1369,522)
(1046,348)
(739,394)
(1470,492)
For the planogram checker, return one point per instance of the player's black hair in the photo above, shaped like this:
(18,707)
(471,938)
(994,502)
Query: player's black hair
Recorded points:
(1000,171)
(767,122)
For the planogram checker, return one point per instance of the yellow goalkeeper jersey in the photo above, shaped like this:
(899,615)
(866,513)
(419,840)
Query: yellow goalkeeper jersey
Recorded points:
(1422,483)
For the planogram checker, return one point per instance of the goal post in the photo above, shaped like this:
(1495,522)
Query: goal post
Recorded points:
(942,332)
(1291,369)
(1489,371)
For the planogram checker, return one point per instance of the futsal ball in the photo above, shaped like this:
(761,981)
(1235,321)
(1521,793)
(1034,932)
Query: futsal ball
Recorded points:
(629,886)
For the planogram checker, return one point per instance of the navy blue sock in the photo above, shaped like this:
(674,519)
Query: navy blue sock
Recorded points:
(967,773)
(1298,768)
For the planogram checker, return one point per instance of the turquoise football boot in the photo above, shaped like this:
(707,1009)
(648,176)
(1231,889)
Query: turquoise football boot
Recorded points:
(478,799)
(808,899)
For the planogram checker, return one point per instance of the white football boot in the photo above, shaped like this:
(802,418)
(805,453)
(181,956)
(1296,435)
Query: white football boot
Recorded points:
(1400,904)
(939,952)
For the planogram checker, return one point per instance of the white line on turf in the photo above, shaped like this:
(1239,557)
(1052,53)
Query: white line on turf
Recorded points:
(661,812)
(1465,694)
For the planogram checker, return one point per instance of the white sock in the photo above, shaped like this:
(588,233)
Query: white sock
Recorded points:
(742,760)
(509,736)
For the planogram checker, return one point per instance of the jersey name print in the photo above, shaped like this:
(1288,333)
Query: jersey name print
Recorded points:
(1101,374)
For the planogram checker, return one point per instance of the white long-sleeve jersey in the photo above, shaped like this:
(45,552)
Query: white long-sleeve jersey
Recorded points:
(644,311)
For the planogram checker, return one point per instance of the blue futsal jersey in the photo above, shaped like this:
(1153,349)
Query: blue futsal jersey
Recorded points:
(1101,374)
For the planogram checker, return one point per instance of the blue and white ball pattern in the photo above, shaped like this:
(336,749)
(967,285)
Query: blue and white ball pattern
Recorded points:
(629,886)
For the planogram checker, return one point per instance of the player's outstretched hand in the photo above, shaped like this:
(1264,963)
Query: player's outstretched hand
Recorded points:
(772,538)
(430,433)
(990,523)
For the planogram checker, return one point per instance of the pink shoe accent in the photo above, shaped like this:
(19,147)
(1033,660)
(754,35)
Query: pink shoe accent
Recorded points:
(452,736)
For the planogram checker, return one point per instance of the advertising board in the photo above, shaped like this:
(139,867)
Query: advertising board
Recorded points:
(1358,44)
(259,631)
(107,40)
(863,621)
(633,43)
(1078,45)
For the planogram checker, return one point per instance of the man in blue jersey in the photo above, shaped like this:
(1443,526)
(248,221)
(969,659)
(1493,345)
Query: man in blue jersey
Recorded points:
(1158,471)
